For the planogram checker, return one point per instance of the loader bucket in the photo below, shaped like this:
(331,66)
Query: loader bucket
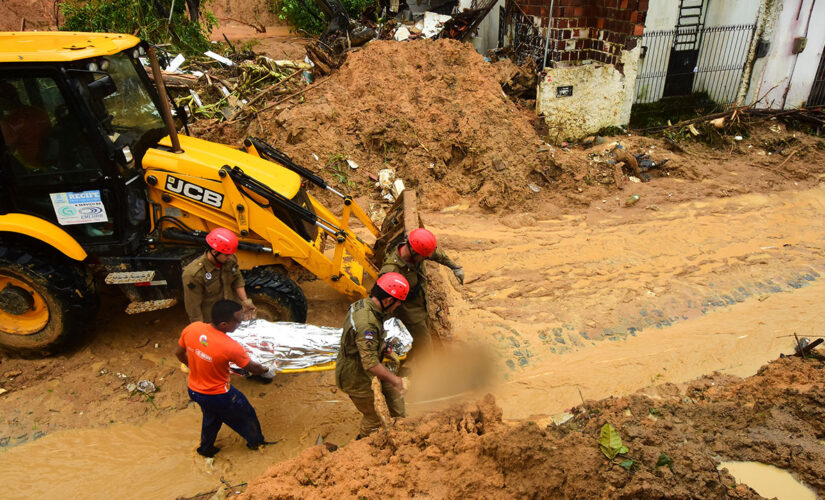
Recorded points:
(402,218)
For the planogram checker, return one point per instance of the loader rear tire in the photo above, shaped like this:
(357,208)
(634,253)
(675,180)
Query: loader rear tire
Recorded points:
(45,301)
(277,297)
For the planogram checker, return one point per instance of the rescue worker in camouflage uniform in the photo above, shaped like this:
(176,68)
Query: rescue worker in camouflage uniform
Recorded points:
(215,276)
(363,348)
(406,259)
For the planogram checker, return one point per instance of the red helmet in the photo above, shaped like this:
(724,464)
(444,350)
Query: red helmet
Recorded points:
(222,240)
(422,241)
(394,284)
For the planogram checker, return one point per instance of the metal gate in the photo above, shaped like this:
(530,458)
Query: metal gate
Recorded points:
(817,97)
(684,54)
(713,63)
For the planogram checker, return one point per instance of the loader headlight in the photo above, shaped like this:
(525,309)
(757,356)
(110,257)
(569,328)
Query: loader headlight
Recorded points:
(104,64)
(92,66)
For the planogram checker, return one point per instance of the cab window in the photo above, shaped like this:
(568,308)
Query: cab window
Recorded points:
(44,142)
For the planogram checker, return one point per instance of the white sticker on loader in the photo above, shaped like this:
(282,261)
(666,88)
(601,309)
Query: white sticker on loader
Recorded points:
(85,207)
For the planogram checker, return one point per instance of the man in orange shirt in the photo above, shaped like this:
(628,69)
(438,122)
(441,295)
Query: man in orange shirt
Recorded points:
(207,350)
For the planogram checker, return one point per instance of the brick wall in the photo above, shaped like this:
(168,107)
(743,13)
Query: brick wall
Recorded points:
(584,29)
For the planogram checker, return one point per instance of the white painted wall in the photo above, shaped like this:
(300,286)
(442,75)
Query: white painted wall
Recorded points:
(729,12)
(602,97)
(661,15)
(783,79)
(488,31)
(718,50)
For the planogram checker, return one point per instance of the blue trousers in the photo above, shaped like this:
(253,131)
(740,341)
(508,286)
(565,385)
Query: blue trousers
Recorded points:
(232,409)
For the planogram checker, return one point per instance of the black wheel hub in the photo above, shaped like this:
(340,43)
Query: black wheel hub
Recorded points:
(15,300)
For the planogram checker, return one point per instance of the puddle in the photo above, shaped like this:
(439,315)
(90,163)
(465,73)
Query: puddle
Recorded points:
(768,481)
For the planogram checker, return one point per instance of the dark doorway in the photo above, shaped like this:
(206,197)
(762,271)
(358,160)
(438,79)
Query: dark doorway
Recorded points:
(817,97)
(685,51)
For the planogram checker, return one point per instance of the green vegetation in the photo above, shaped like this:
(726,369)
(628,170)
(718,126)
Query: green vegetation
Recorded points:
(672,109)
(143,18)
(305,14)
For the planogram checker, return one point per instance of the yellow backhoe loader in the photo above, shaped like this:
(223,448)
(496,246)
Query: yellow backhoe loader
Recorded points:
(97,187)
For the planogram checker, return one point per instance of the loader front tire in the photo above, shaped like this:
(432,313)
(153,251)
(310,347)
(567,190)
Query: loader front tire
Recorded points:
(276,297)
(44,302)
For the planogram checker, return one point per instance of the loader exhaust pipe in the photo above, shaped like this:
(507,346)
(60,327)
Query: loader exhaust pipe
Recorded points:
(164,100)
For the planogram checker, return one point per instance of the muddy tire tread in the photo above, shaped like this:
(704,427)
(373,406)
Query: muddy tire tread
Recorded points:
(71,285)
(275,284)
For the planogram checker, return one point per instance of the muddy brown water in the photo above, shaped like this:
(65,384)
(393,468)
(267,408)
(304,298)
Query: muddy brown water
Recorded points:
(591,304)
(768,481)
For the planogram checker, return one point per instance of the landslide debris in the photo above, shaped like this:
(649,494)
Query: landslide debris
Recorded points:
(775,417)
(433,111)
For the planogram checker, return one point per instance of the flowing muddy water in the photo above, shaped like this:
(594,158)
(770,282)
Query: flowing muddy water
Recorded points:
(602,304)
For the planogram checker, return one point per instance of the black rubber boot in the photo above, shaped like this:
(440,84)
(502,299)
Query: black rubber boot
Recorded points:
(208,453)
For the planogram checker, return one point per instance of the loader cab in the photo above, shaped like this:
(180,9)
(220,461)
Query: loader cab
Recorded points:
(72,136)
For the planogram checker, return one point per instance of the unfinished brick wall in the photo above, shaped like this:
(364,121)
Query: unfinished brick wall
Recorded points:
(581,29)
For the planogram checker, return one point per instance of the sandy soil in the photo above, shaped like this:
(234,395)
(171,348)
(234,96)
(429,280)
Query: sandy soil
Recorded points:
(567,290)
(468,451)
(38,14)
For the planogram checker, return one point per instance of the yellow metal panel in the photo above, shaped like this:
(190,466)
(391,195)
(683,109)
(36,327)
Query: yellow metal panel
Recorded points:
(204,159)
(44,231)
(60,46)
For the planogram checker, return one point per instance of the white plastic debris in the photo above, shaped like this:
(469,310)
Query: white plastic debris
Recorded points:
(224,91)
(352,164)
(633,178)
(386,177)
(175,63)
(146,387)
(315,156)
(196,98)
(221,59)
(533,187)
(397,187)
(433,23)
(738,138)
(402,34)
(290,346)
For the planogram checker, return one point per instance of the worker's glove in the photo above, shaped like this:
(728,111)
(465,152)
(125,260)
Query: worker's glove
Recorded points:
(249,309)
(459,274)
(270,374)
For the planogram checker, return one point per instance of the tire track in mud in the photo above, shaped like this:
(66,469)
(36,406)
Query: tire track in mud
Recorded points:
(540,290)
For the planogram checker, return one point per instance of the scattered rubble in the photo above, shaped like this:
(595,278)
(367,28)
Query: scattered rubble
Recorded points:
(666,442)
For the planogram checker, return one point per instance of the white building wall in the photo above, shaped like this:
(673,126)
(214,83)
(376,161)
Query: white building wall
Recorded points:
(602,97)
(719,50)
(488,30)
(730,12)
(783,79)
(661,15)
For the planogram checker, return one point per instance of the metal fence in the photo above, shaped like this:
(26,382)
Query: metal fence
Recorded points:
(693,60)
(817,97)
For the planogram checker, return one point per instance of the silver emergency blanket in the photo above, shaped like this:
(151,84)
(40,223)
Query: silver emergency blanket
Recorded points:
(293,346)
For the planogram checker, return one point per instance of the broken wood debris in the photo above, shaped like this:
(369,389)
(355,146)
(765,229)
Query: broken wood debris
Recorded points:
(230,89)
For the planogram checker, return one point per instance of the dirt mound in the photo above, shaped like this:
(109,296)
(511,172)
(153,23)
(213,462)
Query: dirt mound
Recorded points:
(432,110)
(775,417)
(38,14)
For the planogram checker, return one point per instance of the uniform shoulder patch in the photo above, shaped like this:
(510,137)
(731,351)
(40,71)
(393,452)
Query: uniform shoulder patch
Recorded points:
(369,335)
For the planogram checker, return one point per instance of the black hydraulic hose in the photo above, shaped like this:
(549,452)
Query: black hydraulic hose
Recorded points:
(200,237)
(282,158)
(243,180)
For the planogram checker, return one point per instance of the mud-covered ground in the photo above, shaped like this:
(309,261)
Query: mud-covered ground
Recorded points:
(569,291)
(468,451)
